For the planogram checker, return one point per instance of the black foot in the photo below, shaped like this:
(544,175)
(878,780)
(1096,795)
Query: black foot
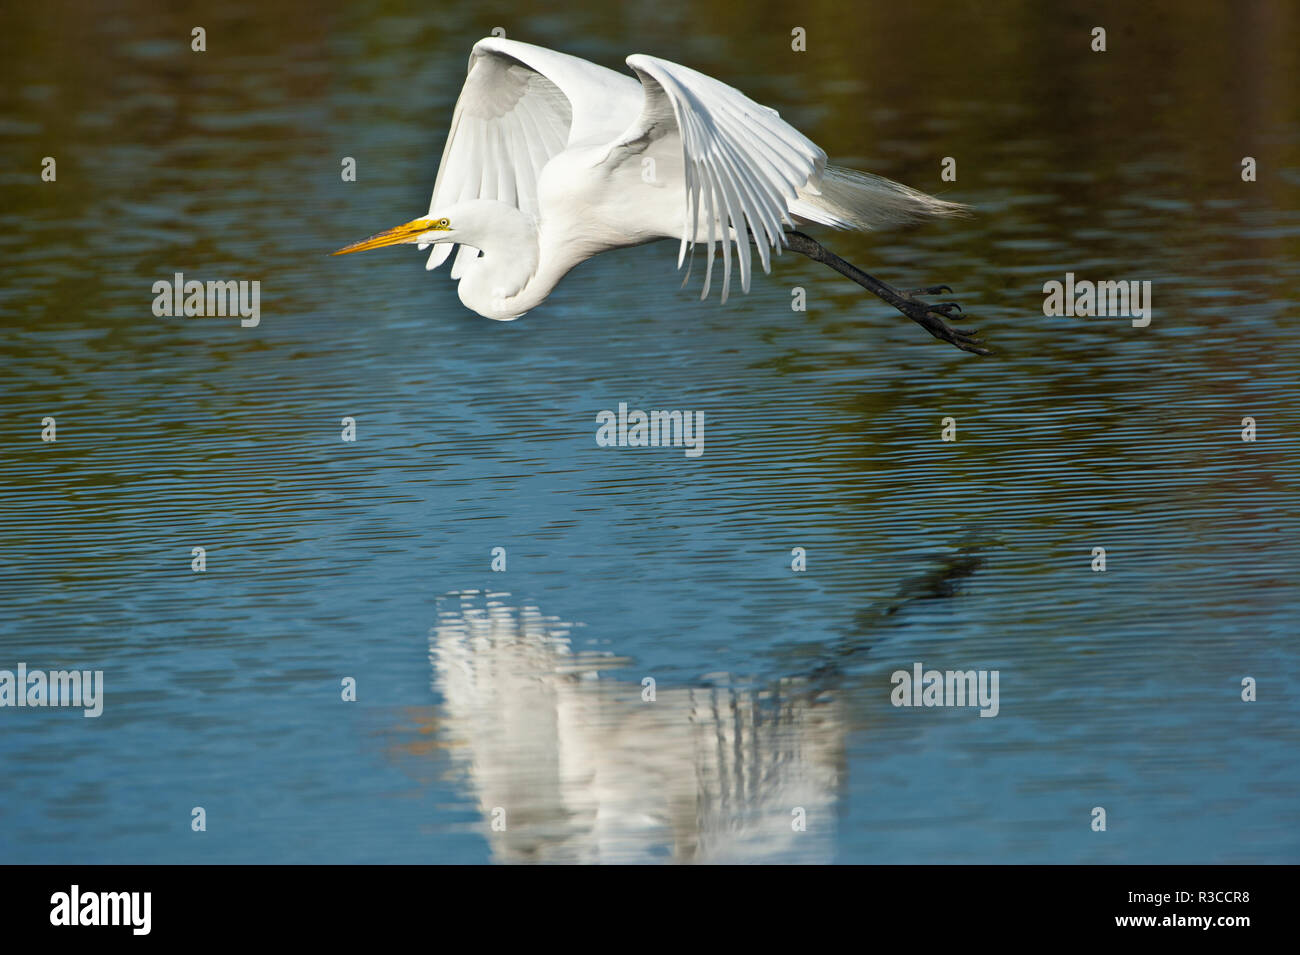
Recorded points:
(931,318)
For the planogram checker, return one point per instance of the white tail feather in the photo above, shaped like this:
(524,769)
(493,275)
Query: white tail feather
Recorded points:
(846,199)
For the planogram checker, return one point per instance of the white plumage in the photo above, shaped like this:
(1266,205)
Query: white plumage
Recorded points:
(552,159)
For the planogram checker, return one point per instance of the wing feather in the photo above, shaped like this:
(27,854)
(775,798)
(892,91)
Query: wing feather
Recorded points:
(744,165)
(520,106)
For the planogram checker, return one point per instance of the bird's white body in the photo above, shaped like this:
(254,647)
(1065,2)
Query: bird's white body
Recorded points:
(552,159)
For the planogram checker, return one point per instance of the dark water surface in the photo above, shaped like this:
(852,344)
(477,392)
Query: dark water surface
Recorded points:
(523,690)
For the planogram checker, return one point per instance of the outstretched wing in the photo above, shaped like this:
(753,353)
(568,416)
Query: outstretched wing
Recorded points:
(520,106)
(744,164)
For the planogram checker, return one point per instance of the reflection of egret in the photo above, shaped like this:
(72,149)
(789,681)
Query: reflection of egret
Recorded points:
(551,160)
(587,771)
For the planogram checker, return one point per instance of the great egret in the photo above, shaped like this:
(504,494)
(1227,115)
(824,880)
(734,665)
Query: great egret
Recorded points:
(552,159)
(590,773)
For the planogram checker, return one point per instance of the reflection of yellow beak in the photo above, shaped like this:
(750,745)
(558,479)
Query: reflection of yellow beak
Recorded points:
(407,232)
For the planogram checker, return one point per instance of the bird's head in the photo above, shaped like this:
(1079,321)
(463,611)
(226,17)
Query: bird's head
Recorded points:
(425,230)
(479,223)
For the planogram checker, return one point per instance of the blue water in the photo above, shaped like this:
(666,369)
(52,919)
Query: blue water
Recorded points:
(518,695)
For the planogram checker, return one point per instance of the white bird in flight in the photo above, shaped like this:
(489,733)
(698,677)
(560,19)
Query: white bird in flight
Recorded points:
(552,159)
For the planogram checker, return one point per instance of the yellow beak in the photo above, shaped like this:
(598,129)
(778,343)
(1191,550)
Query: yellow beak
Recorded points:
(407,232)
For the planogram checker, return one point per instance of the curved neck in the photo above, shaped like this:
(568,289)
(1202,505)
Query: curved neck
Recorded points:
(516,270)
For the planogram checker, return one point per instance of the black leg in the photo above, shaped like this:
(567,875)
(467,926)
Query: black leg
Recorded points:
(930,317)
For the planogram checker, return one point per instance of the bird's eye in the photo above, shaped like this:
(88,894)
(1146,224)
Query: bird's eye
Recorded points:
(442,223)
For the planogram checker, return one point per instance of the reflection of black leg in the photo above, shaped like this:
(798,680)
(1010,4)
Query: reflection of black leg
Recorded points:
(941,581)
(930,317)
